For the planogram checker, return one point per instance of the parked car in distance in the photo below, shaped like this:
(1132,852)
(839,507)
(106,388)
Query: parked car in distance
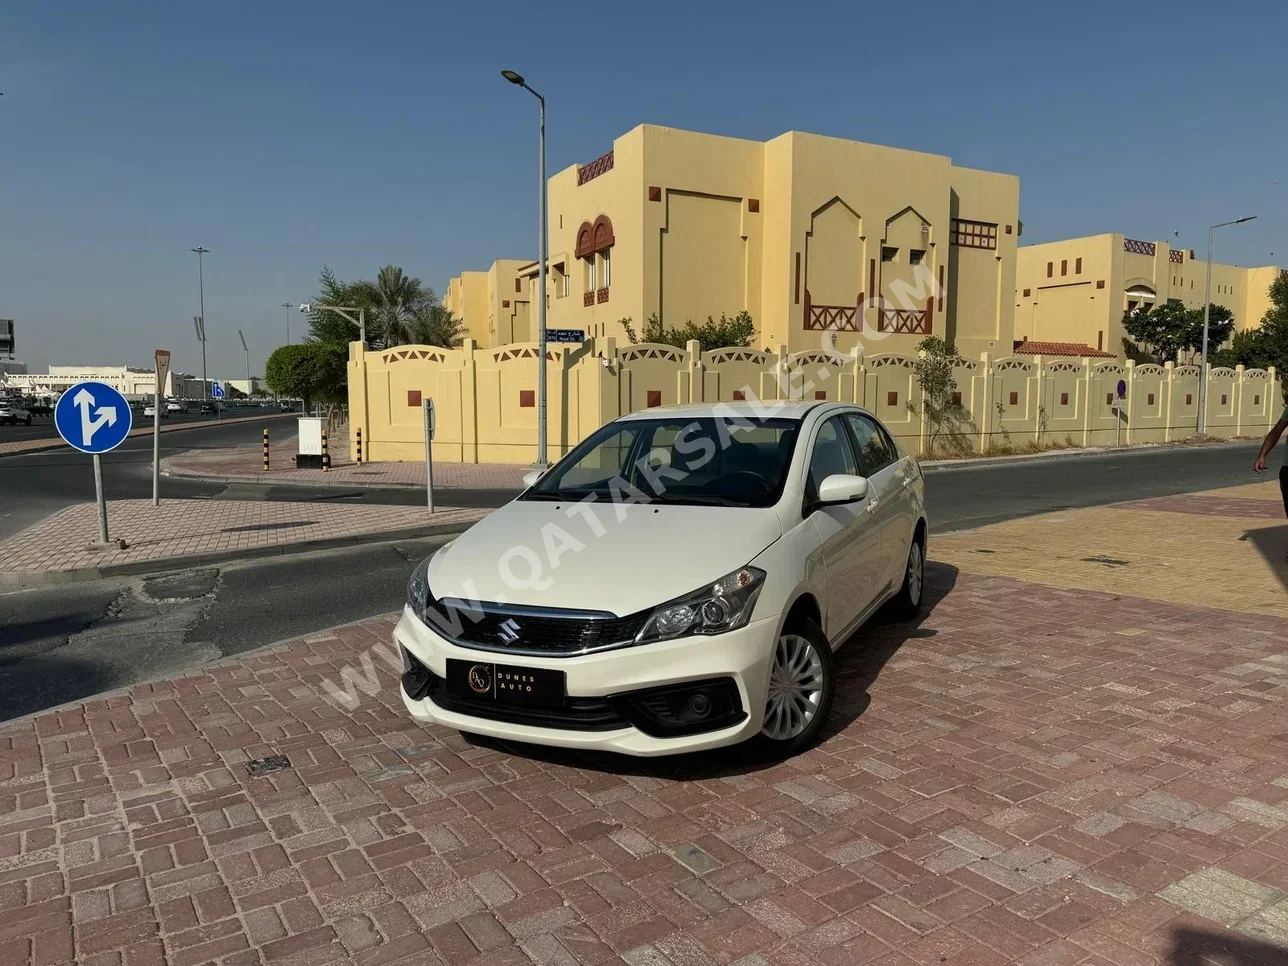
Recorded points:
(150,410)
(175,407)
(210,408)
(13,413)
(707,561)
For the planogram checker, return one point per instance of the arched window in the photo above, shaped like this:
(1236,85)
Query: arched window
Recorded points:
(594,245)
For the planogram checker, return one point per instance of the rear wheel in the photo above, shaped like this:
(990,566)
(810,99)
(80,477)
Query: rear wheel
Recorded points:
(907,603)
(802,680)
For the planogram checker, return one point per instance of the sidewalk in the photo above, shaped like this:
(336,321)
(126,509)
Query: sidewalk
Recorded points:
(190,531)
(246,464)
(1061,764)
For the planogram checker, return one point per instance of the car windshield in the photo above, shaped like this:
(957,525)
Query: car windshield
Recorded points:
(698,460)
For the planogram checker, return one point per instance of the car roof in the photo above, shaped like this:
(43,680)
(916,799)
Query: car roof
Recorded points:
(763,409)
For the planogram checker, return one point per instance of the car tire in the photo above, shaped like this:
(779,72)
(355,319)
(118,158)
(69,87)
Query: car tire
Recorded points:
(29,420)
(802,662)
(907,603)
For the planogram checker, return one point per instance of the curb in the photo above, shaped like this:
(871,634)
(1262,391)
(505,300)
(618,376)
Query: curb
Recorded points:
(25,581)
(975,462)
(337,484)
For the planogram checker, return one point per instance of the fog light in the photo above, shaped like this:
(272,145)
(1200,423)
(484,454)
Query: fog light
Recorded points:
(700,705)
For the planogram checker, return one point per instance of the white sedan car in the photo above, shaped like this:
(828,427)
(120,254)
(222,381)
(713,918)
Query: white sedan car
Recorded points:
(679,581)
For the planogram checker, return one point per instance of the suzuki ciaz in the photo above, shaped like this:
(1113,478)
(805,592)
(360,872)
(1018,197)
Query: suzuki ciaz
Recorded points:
(679,581)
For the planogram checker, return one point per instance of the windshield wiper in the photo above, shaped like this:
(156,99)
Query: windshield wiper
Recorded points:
(561,496)
(701,499)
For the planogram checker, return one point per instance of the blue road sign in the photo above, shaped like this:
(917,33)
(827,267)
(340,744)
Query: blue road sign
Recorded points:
(217,389)
(92,417)
(1122,389)
(565,335)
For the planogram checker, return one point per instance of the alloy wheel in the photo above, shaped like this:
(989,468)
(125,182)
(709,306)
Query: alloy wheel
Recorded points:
(916,574)
(795,688)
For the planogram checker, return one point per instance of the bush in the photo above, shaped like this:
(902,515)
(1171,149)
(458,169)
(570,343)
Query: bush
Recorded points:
(712,334)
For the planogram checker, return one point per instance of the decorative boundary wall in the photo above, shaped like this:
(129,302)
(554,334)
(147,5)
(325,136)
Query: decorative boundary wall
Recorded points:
(486,407)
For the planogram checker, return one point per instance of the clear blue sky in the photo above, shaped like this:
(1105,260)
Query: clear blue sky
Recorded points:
(288,135)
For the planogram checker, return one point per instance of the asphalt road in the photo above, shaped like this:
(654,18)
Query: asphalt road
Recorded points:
(42,427)
(34,485)
(65,643)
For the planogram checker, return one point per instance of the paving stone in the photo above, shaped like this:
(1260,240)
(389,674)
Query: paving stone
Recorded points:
(1221,896)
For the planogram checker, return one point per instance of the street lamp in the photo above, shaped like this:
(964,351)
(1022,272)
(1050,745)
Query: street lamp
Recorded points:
(201,319)
(1207,310)
(247,351)
(517,79)
(287,307)
(344,310)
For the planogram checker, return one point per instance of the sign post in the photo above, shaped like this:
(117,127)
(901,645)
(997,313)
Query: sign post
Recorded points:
(1118,412)
(162,357)
(429,458)
(94,418)
(217,393)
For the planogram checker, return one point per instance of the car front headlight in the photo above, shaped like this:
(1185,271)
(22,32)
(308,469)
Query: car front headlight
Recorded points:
(418,595)
(722,606)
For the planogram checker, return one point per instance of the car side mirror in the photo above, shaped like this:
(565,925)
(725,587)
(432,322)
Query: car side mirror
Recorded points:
(842,488)
(530,478)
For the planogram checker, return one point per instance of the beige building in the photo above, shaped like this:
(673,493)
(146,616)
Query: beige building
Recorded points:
(494,305)
(817,237)
(1075,291)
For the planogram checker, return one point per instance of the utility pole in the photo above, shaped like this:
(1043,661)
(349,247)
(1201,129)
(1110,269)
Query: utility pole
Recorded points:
(201,326)
(287,307)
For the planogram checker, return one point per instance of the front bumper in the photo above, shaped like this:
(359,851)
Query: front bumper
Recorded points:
(743,655)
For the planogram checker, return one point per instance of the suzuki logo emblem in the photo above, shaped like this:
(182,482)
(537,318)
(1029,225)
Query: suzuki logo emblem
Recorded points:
(508,631)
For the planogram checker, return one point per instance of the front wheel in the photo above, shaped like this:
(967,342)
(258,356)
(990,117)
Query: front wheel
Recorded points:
(907,603)
(802,681)
(29,420)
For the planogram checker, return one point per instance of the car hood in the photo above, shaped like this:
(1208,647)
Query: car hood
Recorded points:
(620,558)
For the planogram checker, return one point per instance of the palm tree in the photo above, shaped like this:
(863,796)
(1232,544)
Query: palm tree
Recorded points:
(395,299)
(434,325)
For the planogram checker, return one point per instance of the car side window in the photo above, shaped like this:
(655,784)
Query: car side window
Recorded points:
(832,454)
(875,449)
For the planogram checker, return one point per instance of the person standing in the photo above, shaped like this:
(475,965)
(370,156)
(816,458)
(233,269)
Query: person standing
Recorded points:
(1272,438)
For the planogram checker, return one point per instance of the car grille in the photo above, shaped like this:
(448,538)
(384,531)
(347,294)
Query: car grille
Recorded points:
(578,714)
(544,635)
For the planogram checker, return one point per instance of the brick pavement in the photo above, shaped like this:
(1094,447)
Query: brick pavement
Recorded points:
(1034,774)
(247,464)
(182,528)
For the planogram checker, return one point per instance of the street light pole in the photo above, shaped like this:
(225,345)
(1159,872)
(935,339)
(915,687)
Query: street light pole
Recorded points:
(542,258)
(247,351)
(287,307)
(201,288)
(1201,426)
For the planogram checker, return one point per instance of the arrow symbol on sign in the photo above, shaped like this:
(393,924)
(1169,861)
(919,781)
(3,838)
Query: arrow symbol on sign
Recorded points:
(105,415)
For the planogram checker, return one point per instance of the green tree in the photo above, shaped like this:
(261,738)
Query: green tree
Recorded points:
(1266,345)
(725,332)
(1168,331)
(399,309)
(434,325)
(316,372)
(934,373)
(333,327)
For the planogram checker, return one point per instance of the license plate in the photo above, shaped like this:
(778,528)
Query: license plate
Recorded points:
(506,684)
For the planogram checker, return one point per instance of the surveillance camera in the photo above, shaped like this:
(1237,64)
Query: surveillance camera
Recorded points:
(306,307)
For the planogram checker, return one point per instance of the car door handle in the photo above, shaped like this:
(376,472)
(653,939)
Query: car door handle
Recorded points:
(872,507)
(908,482)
